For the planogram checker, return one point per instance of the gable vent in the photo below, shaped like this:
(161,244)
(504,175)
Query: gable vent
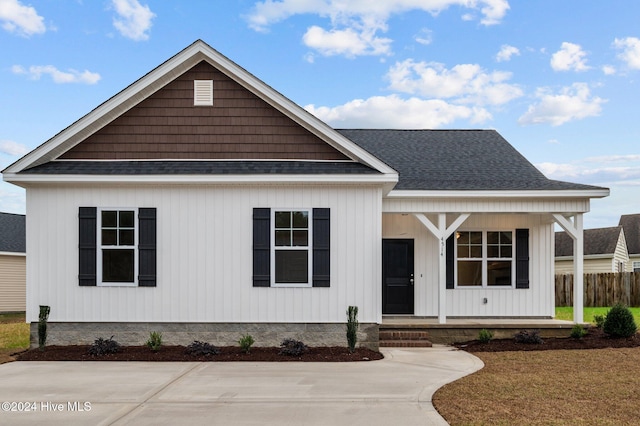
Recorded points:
(202,92)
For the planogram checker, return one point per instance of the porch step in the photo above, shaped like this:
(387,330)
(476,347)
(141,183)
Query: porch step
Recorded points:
(403,338)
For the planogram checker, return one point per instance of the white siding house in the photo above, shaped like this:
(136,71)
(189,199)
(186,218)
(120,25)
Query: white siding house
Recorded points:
(244,213)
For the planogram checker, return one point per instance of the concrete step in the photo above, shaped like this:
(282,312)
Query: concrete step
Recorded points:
(398,338)
(405,344)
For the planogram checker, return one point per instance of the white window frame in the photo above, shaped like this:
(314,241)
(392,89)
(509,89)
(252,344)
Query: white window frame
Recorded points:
(635,265)
(308,247)
(485,261)
(100,248)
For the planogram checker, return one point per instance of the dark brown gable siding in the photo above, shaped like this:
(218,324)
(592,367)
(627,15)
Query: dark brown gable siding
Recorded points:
(239,125)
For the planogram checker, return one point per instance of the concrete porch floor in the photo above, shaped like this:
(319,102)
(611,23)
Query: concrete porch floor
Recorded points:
(464,329)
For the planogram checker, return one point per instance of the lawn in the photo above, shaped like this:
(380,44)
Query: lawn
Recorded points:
(585,387)
(566,313)
(14,335)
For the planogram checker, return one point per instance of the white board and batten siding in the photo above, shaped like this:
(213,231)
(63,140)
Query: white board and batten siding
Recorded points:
(204,255)
(12,282)
(536,301)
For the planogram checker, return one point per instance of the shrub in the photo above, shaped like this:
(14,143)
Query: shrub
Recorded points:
(531,337)
(198,348)
(352,327)
(245,342)
(578,331)
(155,341)
(619,322)
(485,336)
(42,326)
(102,347)
(599,319)
(292,347)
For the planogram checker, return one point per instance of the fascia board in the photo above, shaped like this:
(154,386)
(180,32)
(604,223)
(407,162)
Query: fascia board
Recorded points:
(497,194)
(26,179)
(166,72)
(12,253)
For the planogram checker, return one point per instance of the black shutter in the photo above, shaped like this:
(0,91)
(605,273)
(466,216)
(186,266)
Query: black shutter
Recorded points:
(87,246)
(522,258)
(321,247)
(450,261)
(261,247)
(147,247)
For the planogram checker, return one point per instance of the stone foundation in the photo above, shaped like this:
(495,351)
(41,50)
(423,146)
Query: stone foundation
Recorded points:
(218,334)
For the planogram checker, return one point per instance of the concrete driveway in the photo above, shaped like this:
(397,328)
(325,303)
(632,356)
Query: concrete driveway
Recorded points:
(394,391)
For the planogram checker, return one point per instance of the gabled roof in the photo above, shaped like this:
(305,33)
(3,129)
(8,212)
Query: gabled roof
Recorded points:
(167,72)
(12,233)
(598,241)
(455,160)
(631,225)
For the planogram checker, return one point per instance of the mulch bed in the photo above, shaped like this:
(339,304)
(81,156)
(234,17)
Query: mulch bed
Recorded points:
(178,353)
(595,339)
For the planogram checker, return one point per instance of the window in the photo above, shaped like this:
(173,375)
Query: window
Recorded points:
(291,249)
(636,266)
(484,258)
(117,257)
(117,247)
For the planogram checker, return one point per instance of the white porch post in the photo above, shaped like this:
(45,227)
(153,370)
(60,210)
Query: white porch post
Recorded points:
(575,230)
(441,232)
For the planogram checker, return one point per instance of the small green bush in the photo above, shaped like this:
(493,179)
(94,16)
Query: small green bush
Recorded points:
(599,319)
(531,337)
(198,348)
(42,326)
(245,342)
(155,341)
(619,322)
(485,336)
(102,347)
(352,327)
(292,347)
(578,331)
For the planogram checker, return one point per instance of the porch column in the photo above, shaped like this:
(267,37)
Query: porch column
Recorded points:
(441,232)
(575,230)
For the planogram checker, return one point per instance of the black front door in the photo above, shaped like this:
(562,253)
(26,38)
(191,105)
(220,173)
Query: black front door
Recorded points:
(397,276)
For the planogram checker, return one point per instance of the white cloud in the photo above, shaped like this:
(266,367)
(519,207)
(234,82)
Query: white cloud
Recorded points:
(425,36)
(394,112)
(21,19)
(570,57)
(464,83)
(506,52)
(133,20)
(348,42)
(608,70)
(630,54)
(12,148)
(571,103)
(355,24)
(60,77)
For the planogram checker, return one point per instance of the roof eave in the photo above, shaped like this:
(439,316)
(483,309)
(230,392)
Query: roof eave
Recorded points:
(497,194)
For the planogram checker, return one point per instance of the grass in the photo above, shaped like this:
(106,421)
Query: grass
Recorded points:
(14,335)
(585,387)
(566,313)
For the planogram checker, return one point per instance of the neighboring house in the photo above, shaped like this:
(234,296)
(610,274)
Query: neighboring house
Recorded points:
(605,250)
(631,225)
(202,203)
(12,263)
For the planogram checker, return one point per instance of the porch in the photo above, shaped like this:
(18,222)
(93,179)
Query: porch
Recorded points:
(414,331)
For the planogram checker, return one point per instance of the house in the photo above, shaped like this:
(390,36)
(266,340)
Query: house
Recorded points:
(202,203)
(631,225)
(605,250)
(12,263)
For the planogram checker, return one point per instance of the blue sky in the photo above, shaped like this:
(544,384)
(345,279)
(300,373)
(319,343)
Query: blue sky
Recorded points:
(558,79)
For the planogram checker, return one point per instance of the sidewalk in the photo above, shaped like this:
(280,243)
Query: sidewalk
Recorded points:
(394,391)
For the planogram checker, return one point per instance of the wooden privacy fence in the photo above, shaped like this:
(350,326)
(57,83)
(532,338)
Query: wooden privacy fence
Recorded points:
(605,289)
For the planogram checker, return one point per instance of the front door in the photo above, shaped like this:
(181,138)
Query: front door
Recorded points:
(397,276)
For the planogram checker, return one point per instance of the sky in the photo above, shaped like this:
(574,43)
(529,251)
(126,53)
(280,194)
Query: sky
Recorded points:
(558,79)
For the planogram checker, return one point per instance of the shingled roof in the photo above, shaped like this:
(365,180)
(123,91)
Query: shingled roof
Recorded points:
(596,241)
(454,160)
(631,225)
(12,233)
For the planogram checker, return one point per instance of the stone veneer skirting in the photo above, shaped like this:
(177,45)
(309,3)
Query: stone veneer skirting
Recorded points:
(218,334)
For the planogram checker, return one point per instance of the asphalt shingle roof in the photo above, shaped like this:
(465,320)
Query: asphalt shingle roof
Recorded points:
(631,225)
(12,233)
(454,160)
(199,167)
(596,241)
